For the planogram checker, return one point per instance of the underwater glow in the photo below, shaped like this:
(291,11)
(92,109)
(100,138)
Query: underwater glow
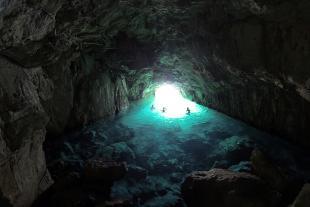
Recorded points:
(170,103)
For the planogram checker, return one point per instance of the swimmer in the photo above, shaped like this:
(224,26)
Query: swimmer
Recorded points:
(188,111)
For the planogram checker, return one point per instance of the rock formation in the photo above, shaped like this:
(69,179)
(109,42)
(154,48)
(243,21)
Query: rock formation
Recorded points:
(66,63)
(219,187)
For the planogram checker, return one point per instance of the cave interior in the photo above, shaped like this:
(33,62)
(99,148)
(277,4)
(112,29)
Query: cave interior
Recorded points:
(154,103)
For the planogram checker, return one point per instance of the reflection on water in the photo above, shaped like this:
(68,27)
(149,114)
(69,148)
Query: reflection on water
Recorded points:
(160,151)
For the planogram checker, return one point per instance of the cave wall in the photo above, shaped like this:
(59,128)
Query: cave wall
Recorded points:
(65,63)
(22,132)
(258,53)
(47,85)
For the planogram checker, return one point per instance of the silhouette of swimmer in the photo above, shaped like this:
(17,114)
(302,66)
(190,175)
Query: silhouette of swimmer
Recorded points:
(188,111)
(164,109)
(152,107)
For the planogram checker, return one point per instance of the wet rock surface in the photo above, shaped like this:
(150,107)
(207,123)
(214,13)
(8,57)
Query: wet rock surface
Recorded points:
(219,187)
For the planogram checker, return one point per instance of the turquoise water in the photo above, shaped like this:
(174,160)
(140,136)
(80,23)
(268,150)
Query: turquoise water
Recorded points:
(161,151)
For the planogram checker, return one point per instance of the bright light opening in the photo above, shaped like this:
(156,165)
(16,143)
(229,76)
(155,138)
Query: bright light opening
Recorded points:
(170,103)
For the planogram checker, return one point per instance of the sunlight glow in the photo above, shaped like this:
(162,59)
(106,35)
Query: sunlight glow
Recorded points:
(170,102)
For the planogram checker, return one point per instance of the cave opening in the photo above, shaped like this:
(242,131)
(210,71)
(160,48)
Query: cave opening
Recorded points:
(170,103)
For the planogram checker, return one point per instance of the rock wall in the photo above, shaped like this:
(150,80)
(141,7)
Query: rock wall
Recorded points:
(256,60)
(22,132)
(50,98)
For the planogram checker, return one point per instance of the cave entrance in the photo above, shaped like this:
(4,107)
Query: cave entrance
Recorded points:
(170,103)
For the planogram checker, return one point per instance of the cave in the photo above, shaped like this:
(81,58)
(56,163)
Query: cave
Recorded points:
(154,103)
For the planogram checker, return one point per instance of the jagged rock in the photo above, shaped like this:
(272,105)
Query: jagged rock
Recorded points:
(99,96)
(303,199)
(22,132)
(219,187)
(59,107)
(278,177)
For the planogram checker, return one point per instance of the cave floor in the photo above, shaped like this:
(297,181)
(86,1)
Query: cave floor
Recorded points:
(160,151)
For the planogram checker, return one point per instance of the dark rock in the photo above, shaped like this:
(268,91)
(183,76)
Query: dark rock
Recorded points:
(303,199)
(223,188)
(104,171)
(66,191)
(278,177)
(23,172)
(116,203)
(136,172)
(4,202)
(122,152)
(197,147)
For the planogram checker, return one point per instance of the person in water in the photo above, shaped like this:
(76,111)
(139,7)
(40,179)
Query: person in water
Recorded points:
(164,109)
(152,107)
(188,111)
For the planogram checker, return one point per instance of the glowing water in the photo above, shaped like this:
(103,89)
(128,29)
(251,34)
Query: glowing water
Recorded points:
(170,145)
(169,98)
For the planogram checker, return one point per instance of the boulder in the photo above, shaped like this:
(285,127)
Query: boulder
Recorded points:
(219,187)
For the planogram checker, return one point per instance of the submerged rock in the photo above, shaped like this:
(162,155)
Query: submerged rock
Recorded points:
(219,187)
(136,172)
(243,166)
(121,151)
(233,149)
(97,170)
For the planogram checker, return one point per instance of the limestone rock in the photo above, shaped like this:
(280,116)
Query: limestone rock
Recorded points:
(99,96)
(219,187)
(60,105)
(22,133)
